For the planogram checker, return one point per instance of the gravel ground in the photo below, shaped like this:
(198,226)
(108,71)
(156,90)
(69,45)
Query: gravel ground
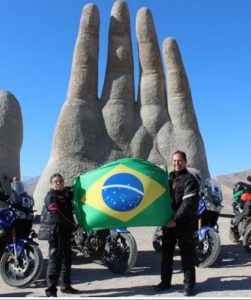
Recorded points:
(230,277)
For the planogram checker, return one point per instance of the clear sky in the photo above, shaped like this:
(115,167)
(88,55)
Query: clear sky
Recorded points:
(214,36)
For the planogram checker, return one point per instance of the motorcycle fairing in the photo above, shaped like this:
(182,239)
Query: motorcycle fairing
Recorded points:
(7,217)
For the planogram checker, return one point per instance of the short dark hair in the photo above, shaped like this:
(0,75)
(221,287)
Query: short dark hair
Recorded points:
(56,175)
(181,153)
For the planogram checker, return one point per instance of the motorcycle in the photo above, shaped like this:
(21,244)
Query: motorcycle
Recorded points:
(206,237)
(117,247)
(21,261)
(240,225)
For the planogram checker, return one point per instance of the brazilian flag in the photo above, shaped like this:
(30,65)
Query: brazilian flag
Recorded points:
(128,192)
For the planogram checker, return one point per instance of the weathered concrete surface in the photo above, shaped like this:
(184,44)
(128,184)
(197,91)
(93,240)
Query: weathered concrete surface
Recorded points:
(11,138)
(92,131)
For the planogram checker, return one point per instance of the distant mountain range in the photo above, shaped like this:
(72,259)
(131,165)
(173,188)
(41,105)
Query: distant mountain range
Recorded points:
(226,181)
(30,184)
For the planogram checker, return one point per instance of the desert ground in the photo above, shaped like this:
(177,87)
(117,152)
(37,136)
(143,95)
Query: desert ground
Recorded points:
(229,277)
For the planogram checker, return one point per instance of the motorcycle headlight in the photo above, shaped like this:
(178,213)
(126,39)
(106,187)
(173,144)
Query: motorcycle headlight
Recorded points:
(210,206)
(213,207)
(27,201)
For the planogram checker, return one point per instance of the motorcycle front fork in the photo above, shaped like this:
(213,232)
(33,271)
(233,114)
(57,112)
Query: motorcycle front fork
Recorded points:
(199,224)
(14,239)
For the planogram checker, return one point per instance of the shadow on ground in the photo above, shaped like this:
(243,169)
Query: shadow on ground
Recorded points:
(88,272)
(233,256)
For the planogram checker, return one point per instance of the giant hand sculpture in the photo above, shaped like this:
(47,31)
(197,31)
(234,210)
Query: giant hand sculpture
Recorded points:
(92,131)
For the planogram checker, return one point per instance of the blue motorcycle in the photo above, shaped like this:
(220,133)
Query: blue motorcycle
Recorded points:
(21,261)
(206,237)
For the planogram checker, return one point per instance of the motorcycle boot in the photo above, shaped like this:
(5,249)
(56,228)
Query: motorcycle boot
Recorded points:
(162,286)
(189,283)
(51,292)
(69,290)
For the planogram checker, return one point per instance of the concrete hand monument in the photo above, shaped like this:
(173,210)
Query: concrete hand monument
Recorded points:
(92,131)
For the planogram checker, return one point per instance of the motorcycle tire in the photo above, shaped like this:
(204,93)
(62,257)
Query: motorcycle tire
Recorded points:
(246,242)
(157,239)
(121,258)
(208,250)
(29,268)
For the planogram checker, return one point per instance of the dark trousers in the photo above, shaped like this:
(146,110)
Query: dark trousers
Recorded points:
(59,264)
(171,236)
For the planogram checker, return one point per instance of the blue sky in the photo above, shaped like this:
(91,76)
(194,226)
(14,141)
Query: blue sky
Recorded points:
(214,36)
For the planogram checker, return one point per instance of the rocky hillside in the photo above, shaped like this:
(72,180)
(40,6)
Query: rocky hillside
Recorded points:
(227,183)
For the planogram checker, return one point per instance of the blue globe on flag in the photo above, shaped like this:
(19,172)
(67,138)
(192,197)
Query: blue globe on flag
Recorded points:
(122,192)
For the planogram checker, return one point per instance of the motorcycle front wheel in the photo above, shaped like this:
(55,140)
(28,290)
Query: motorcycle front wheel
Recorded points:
(207,250)
(246,242)
(120,253)
(157,239)
(25,270)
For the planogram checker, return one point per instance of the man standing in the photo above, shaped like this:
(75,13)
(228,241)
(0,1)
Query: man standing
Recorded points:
(185,198)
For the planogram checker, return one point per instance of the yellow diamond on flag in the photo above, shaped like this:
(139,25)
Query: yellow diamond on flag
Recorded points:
(151,191)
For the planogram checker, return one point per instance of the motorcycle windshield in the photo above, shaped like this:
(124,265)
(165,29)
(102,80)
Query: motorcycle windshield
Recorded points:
(17,186)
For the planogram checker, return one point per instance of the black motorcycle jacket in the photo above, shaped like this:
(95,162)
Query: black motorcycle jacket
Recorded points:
(60,208)
(185,197)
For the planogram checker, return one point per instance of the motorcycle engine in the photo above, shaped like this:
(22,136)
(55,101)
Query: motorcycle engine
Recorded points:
(93,243)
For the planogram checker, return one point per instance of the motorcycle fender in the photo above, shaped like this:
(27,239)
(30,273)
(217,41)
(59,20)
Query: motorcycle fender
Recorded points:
(19,245)
(201,233)
(122,230)
(116,231)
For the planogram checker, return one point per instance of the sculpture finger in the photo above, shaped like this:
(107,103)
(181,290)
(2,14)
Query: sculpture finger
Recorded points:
(119,71)
(118,93)
(180,105)
(152,95)
(84,74)
(152,83)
